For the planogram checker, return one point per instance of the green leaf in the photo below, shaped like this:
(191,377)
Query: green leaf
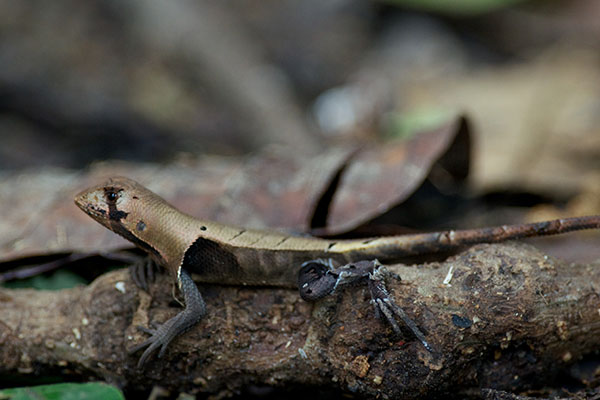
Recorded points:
(60,279)
(64,391)
(456,7)
(407,124)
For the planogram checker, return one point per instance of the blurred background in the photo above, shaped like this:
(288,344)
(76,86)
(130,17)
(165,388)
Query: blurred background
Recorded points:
(169,82)
(156,81)
(187,83)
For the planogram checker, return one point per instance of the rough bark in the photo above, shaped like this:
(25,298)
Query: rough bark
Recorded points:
(509,319)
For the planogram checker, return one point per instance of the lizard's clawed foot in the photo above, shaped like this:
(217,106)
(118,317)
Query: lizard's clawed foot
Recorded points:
(142,272)
(162,335)
(319,278)
(384,304)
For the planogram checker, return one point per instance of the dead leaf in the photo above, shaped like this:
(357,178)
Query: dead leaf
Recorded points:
(273,189)
(381,178)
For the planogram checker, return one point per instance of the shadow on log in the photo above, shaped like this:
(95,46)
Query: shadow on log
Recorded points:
(504,317)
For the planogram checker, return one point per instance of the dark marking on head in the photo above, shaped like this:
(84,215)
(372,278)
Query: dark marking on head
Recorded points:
(368,241)
(202,228)
(135,197)
(116,215)
(111,194)
(331,245)
(141,225)
(118,228)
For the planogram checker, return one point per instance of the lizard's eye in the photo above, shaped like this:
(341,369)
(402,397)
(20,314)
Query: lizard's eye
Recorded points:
(111,196)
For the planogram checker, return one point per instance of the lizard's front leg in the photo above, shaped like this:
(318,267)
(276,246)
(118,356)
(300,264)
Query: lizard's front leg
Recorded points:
(319,278)
(194,310)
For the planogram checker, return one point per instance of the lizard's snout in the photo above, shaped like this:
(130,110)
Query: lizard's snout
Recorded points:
(79,201)
(90,202)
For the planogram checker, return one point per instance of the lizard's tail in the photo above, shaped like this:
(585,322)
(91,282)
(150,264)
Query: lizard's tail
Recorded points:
(396,247)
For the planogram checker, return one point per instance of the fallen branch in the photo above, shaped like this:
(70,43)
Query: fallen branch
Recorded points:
(502,316)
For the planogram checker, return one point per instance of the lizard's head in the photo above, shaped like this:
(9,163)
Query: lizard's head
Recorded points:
(117,204)
(129,209)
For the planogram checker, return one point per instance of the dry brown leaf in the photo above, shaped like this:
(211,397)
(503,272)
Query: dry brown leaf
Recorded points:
(381,178)
(273,189)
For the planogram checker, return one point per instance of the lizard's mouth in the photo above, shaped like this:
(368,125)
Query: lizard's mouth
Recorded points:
(86,204)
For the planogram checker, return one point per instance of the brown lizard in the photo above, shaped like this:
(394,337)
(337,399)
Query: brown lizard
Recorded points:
(231,255)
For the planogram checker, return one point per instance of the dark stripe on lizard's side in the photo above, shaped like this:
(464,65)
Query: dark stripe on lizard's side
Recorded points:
(215,262)
(210,260)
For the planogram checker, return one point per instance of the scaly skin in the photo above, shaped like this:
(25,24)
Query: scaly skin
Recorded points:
(231,255)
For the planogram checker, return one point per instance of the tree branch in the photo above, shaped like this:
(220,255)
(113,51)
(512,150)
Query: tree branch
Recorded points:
(508,318)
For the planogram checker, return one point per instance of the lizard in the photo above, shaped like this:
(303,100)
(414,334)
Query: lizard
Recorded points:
(224,254)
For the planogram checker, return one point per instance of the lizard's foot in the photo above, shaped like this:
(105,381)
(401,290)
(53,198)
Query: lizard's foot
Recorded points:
(142,272)
(318,278)
(161,336)
(384,304)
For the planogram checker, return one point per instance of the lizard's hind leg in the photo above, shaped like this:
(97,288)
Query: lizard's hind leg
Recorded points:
(318,278)
(384,303)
